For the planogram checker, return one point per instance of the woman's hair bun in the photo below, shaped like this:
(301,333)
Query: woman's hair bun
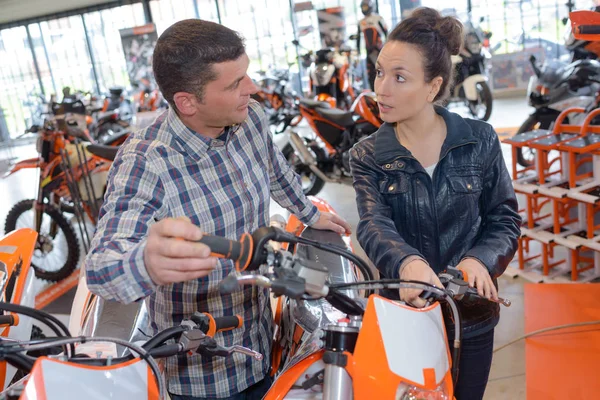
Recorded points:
(449,29)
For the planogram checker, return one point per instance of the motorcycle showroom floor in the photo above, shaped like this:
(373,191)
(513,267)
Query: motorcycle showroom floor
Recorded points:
(507,378)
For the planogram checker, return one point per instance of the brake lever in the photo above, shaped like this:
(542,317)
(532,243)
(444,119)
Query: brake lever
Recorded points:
(209,348)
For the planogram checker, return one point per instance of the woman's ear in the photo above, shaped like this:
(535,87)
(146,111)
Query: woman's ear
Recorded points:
(434,88)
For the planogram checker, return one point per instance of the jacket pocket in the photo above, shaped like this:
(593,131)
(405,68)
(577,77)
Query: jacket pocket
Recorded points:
(464,193)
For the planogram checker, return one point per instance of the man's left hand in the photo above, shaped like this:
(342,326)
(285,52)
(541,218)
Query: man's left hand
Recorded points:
(332,222)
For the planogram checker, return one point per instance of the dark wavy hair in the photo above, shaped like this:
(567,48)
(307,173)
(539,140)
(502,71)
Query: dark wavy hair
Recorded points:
(437,38)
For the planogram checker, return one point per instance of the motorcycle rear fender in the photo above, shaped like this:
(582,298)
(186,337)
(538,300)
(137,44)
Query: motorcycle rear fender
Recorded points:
(25,164)
(470,85)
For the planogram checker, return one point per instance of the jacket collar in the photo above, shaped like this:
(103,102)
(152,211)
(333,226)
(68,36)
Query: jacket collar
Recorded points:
(387,147)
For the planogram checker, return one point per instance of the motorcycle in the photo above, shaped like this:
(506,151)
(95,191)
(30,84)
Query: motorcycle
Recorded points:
(18,287)
(555,87)
(72,179)
(277,99)
(325,157)
(471,82)
(369,353)
(329,76)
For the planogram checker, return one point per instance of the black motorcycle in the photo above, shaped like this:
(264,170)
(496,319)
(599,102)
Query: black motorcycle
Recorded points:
(555,87)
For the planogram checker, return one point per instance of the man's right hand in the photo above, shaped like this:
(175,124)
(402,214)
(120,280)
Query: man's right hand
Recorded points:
(417,270)
(172,253)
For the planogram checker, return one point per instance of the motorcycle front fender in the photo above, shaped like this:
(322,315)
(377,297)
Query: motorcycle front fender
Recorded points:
(470,85)
(25,164)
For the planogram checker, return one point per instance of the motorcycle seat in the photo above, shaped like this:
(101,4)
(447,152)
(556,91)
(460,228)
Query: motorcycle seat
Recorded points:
(342,118)
(106,152)
(109,140)
(314,104)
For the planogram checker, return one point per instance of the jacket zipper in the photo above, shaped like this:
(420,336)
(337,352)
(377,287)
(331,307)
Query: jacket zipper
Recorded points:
(435,215)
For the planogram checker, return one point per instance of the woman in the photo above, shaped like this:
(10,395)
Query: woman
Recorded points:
(432,188)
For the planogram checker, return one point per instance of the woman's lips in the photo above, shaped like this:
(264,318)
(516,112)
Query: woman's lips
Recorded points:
(384,108)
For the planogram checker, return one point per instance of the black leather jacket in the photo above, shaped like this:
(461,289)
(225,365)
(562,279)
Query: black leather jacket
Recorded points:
(468,209)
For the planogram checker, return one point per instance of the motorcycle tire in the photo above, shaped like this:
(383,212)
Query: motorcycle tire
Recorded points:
(531,123)
(63,225)
(485,94)
(316,183)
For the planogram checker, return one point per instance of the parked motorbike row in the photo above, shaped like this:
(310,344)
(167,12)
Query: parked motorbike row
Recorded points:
(73,169)
(334,339)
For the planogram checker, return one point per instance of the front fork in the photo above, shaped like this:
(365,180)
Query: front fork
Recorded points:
(39,206)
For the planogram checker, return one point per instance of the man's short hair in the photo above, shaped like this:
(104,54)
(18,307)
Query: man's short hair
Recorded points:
(185,52)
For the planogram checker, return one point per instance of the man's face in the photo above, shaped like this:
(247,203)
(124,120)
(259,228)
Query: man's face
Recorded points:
(225,100)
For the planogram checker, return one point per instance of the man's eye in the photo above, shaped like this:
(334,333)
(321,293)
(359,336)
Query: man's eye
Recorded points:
(379,72)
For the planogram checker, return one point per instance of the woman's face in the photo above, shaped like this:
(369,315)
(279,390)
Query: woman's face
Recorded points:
(400,85)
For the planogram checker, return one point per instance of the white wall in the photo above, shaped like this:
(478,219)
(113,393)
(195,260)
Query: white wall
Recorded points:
(14,10)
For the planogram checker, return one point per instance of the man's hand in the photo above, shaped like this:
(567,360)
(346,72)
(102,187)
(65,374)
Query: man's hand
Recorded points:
(171,254)
(479,277)
(417,270)
(332,222)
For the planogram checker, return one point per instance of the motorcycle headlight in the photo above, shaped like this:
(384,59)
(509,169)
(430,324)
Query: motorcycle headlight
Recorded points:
(407,392)
(38,143)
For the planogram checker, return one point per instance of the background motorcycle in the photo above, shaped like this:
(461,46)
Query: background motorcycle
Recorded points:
(555,87)
(471,82)
(324,156)
(329,76)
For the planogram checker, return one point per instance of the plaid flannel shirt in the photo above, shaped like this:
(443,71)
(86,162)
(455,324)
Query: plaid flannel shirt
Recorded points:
(224,187)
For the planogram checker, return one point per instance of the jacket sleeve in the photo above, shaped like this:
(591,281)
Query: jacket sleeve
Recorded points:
(376,231)
(501,222)
(115,265)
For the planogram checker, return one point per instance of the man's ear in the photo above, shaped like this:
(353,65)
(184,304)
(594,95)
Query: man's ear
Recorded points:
(185,102)
(436,84)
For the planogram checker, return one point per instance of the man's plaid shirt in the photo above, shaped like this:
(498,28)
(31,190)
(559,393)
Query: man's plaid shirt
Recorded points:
(224,187)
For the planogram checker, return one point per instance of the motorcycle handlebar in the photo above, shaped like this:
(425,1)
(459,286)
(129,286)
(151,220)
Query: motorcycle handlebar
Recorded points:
(239,251)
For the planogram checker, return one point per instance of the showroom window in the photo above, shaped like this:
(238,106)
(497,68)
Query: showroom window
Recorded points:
(19,84)
(103,30)
(166,12)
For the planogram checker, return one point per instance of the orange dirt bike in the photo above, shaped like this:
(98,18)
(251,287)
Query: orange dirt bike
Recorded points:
(324,156)
(93,372)
(330,76)
(278,99)
(350,347)
(72,178)
(18,288)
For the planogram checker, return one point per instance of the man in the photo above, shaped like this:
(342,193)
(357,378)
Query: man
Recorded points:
(208,164)
(373,28)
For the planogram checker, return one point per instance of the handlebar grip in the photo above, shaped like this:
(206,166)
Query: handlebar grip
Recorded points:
(239,251)
(8,320)
(589,29)
(221,324)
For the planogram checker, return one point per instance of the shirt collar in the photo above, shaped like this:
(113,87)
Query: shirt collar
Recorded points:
(194,143)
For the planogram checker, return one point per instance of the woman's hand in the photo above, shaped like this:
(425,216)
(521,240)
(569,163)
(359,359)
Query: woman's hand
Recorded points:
(417,270)
(478,277)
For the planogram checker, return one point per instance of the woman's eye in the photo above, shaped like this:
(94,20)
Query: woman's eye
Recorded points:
(400,79)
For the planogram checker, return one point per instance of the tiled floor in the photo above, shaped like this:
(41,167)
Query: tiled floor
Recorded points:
(507,379)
